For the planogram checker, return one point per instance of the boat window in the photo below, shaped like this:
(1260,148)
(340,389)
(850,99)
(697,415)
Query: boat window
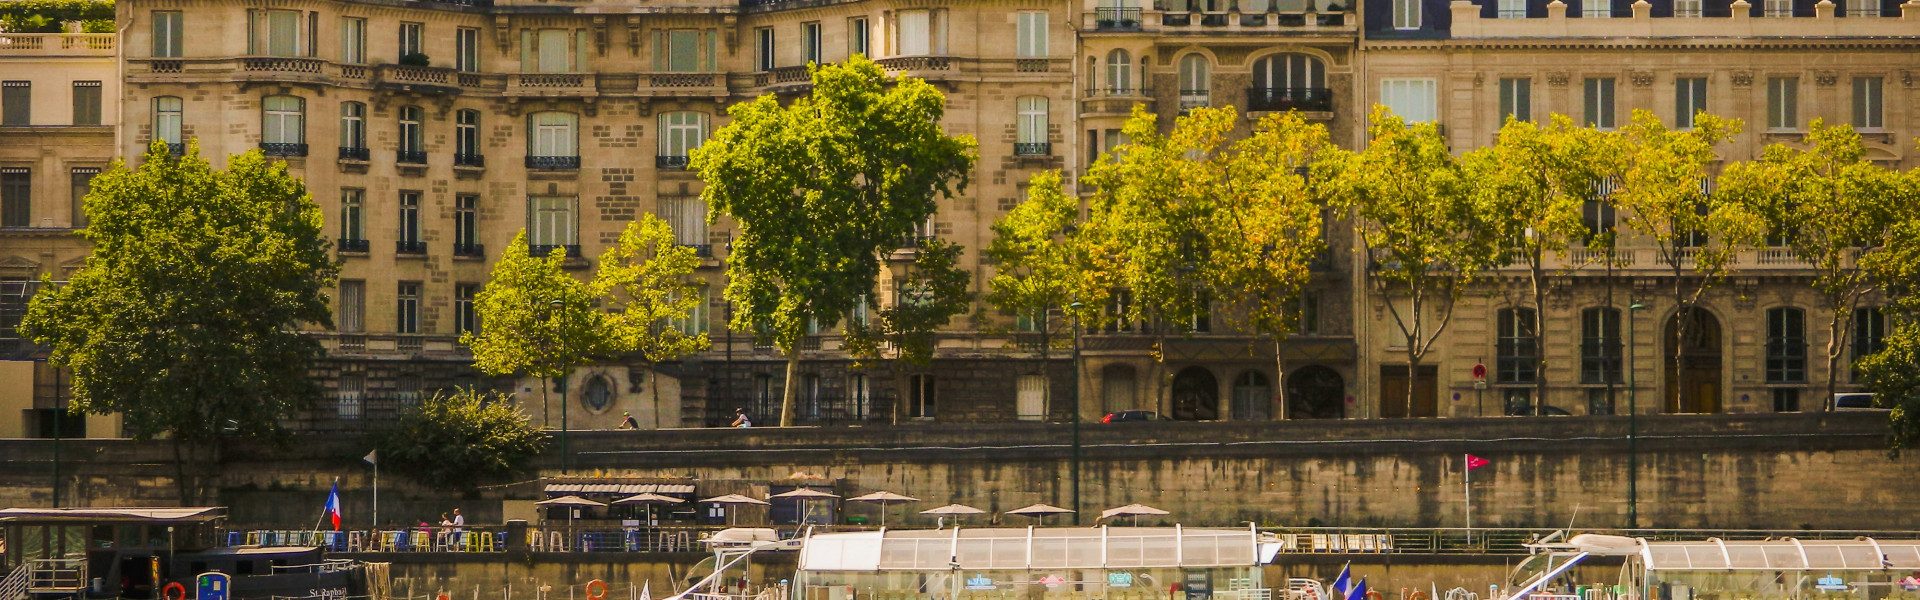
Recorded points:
(102,538)
(243,567)
(129,536)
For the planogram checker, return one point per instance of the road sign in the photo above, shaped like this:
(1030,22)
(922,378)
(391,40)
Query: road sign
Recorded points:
(212,585)
(1479,371)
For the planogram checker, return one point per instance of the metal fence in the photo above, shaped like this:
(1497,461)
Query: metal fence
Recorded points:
(1355,540)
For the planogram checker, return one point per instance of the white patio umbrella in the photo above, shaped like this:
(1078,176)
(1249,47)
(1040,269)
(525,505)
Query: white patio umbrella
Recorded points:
(805,496)
(734,499)
(572,503)
(883,499)
(952,510)
(1132,510)
(649,499)
(1040,511)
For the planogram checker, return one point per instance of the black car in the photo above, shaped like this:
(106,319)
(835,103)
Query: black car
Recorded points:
(1128,416)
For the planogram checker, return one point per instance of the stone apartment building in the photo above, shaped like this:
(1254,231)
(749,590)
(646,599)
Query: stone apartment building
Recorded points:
(431,131)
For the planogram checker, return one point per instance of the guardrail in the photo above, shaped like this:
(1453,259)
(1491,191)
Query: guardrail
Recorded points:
(1346,540)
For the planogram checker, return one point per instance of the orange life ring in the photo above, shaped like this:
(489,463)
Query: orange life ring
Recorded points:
(596,590)
(442,596)
(1375,595)
(174,591)
(1418,595)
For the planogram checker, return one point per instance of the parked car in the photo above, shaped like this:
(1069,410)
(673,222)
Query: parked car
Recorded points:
(1855,401)
(1128,416)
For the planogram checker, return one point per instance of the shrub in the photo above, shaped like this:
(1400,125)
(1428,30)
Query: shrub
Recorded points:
(415,59)
(46,16)
(461,439)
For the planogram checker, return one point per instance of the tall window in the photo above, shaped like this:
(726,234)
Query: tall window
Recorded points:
(1511,9)
(1415,99)
(859,397)
(1516,98)
(466,225)
(466,49)
(410,34)
(166,33)
(920,32)
(412,138)
(166,119)
(553,222)
(1406,14)
(16,103)
(352,221)
(1783,103)
(1778,8)
(353,40)
(353,130)
(766,53)
(688,217)
(16,197)
(82,183)
(1869,331)
(1518,349)
(920,396)
(1030,34)
(1686,8)
(1032,127)
(1596,9)
(465,320)
(406,309)
(1861,8)
(1598,215)
(680,133)
(683,51)
(353,306)
(1689,99)
(695,322)
(1600,349)
(1289,72)
(1597,99)
(1196,84)
(811,48)
(409,219)
(1119,72)
(86,103)
(274,32)
(1786,345)
(283,125)
(553,50)
(1866,103)
(859,37)
(554,134)
(466,137)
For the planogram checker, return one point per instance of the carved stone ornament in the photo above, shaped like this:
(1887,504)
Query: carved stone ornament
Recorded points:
(1825,78)
(1742,78)
(1641,78)
(1557,79)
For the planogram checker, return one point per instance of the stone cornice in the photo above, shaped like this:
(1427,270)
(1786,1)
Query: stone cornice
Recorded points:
(1638,44)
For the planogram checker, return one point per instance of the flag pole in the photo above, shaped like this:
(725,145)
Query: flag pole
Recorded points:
(1466,462)
(376,489)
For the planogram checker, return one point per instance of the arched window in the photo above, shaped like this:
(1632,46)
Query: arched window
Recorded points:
(1119,72)
(1196,81)
(554,143)
(353,130)
(283,126)
(166,119)
(1031,127)
(680,133)
(1290,72)
(1518,349)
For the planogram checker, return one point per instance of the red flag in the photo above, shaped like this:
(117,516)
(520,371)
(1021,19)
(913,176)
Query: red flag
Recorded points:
(1475,462)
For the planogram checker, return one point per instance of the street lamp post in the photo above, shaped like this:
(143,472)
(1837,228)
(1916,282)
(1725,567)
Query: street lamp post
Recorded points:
(1075,423)
(561,340)
(1633,427)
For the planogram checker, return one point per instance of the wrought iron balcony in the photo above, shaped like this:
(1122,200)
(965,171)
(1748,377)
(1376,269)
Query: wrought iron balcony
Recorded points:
(353,245)
(410,157)
(409,247)
(700,250)
(283,149)
(1033,149)
(1115,18)
(1290,98)
(671,162)
(470,250)
(553,163)
(542,250)
(469,160)
(348,153)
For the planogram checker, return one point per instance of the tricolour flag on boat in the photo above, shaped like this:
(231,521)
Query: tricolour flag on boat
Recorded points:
(1359,591)
(1340,583)
(333,505)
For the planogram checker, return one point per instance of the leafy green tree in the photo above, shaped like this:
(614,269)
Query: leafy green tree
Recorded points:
(931,291)
(1664,195)
(1038,267)
(1893,374)
(819,189)
(1532,185)
(1266,229)
(648,279)
(1416,217)
(185,318)
(1833,209)
(536,319)
(461,439)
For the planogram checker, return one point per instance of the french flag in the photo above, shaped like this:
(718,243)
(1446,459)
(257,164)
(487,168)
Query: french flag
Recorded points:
(333,505)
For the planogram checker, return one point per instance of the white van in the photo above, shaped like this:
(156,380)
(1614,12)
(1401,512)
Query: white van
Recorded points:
(1854,401)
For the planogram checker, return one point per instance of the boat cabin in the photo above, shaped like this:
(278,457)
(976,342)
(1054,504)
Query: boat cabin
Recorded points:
(1716,569)
(135,552)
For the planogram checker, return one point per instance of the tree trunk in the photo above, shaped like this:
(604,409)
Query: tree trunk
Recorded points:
(1539,338)
(900,389)
(1682,317)
(1836,340)
(1413,374)
(1046,371)
(792,387)
(180,471)
(654,371)
(1280,380)
(546,414)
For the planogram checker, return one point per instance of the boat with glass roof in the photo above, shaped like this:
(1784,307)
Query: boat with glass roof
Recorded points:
(1717,569)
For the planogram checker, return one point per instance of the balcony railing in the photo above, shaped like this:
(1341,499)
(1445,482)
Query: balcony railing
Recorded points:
(410,157)
(277,64)
(542,250)
(1289,98)
(700,250)
(354,245)
(470,250)
(671,162)
(553,163)
(916,63)
(469,160)
(1033,149)
(283,149)
(1192,99)
(349,153)
(409,247)
(1114,18)
(52,44)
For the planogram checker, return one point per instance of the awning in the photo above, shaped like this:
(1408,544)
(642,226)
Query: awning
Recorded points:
(620,489)
(1024,549)
(1864,554)
(143,515)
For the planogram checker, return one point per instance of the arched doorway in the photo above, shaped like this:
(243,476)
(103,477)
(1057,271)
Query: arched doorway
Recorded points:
(1316,392)
(1693,387)
(1252,397)
(1196,395)
(1118,389)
